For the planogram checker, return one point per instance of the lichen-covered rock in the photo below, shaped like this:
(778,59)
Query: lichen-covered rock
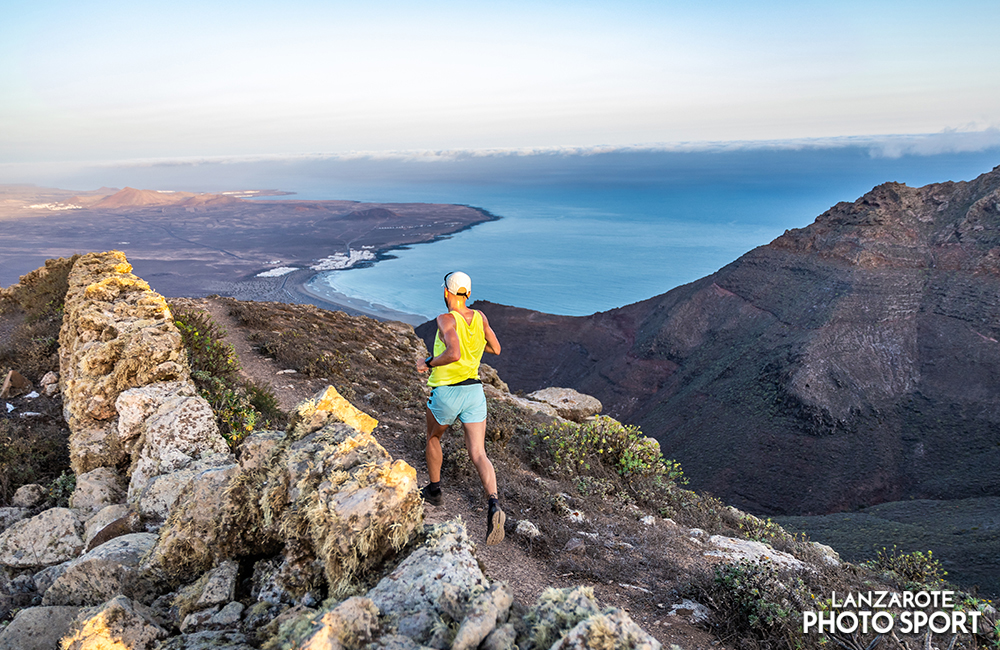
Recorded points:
(351,624)
(502,638)
(556,612)
(433,587)
(135,405)
(527,529)
(29,496)
(180,431)
(213,618)
(106,571)
(325,407)
(220,587)
(212,640)
(118,623)
(161,492)
(485,611)
(569,403)
(257,449)
(96,489)
(47,576)
(116,334)
(51,537)
(339,491)
(196,533)
(10,516)
(38,628)
(290,577)
(103,518)
(733,550)
(614,630)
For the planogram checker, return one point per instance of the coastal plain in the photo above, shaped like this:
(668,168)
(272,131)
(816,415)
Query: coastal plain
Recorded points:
(193,245)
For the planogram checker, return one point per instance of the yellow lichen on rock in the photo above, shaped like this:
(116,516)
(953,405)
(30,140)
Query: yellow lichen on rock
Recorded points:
(328,406)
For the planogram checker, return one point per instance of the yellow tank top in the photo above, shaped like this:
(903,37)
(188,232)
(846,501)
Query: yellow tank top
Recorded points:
(472,341)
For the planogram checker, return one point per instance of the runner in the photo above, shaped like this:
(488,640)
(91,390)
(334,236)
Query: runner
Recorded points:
(462,337)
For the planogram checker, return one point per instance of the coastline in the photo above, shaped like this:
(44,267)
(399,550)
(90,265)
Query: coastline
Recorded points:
(355,306)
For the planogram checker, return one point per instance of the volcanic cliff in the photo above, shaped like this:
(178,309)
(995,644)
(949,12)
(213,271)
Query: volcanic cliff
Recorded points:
(848,363)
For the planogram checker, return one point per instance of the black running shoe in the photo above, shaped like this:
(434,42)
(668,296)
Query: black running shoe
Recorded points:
(495,519)
(432,498)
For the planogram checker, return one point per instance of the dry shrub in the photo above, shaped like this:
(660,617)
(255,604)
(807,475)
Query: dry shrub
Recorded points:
(31,453)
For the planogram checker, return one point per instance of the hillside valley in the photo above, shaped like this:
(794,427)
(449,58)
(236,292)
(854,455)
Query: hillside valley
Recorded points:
(845,364)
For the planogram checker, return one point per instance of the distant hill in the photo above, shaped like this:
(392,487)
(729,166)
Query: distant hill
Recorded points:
(131,198)
(852,362)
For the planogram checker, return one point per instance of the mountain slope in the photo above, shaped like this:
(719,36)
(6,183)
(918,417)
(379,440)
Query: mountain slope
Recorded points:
(848,363)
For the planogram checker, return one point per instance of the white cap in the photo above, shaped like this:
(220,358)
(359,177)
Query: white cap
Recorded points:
(458,283)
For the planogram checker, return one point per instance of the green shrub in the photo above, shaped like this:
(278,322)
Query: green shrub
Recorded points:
(915,569)
(240,407)
(571,450)
(61,489)
(756,605)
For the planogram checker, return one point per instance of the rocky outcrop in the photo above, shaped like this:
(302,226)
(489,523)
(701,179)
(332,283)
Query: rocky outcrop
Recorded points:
(848,363)
(311,512)
(332,490)
(568,403)
(51,537)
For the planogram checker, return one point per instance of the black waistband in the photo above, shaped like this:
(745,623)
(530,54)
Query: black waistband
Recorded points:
(465,382)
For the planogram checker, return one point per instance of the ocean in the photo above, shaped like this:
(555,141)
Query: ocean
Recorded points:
(587,234)
(581,231)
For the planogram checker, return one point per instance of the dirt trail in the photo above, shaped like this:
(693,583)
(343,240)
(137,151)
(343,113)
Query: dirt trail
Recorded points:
(510,561)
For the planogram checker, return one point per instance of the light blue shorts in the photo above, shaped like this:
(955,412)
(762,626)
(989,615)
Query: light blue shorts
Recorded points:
(465,403)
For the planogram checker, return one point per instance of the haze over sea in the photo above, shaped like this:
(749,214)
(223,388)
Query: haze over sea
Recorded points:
(580,232)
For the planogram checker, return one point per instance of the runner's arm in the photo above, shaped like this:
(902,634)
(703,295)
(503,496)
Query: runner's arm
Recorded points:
(449,334)
(492,343)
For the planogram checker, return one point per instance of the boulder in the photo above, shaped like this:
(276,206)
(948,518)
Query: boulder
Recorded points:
(220,587)
(104,517)
(213,618)
(118,623)
(38,628)
(568,403)
(96,489)
(556,612)
(47,576)
(180,431)
(135,405)
(432,588)
(161,492)
(340,491)
(106,571)
(50,383)
(293,576)
(614,630)
(9,516)
(29,496)
(325,407)
(51,537)
(196,535)
(734,550)
(351,624)
(218,640)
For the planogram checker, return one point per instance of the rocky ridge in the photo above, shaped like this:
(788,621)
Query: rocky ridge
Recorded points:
(165,520)
(848,363)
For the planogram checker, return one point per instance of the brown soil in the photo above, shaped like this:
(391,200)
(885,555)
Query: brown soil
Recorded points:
(527,566)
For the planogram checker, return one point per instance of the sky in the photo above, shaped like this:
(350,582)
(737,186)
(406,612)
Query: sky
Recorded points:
(123,80)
